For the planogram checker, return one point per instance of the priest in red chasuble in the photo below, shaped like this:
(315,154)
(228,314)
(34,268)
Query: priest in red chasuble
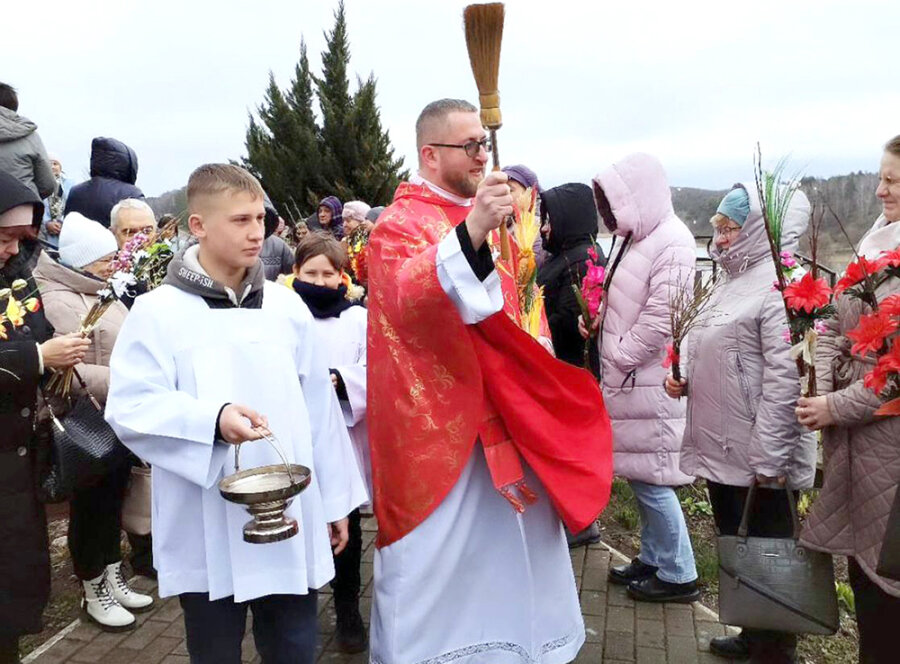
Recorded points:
(483,444)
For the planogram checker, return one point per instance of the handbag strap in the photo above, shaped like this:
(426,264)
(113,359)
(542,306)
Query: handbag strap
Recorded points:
(743,529)
(87,391)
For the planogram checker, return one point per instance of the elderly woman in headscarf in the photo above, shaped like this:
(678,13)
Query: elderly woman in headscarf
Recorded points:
(328,217)
(741,386)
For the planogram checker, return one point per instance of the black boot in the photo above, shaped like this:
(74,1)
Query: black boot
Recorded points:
(731,647)
(350,635)
(589,535)
(633,571)
(654,589)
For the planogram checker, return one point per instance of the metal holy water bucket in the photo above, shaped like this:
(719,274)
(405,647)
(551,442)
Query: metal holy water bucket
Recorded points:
(266,493)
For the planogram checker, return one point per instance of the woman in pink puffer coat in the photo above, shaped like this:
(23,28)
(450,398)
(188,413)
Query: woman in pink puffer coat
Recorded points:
(655,255)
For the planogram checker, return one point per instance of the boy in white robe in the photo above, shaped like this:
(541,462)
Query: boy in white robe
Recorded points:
(202,363)
(317,277)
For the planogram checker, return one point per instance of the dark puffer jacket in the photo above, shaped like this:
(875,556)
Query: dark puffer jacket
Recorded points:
(573,224)
(114,168)
(24,551)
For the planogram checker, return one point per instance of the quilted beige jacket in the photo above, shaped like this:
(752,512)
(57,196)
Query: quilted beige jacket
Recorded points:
(862,451)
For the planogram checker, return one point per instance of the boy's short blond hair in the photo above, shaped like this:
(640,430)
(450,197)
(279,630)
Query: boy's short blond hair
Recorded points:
(216,179)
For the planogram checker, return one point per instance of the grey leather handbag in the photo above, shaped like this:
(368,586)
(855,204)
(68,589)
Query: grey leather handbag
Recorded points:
(775,583)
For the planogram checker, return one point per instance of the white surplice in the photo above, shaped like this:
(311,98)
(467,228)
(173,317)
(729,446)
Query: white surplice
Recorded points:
(342,340)
(476,582)
(175,364)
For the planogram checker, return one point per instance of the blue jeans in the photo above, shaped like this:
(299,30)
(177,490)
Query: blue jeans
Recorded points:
(665,542)
(284,628)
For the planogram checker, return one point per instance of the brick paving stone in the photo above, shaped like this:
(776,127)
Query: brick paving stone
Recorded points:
(83,632)
(620,619)
(594,579)
(650,656)
(593,602)
(597,558)
(577,558)
(98,647)
(651,633)
(618,596)
(156,650)
(176,659)
(61,651)
(593,629)
(681,650)
(590,653)
(175,629)
(619,645)
(679,622)
(143,635)
(649,610)
(169,610)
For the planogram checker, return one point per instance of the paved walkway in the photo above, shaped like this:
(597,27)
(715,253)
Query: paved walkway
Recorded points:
(618,630)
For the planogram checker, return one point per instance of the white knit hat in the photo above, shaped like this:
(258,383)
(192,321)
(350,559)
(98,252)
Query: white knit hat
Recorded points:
(82,241)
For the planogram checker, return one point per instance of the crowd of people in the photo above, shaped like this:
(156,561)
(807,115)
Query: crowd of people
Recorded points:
(377,346)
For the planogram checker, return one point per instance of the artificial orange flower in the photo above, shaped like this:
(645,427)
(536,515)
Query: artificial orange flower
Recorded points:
(857,272)
(887,365)
(32,304)
(807,294)
(871,333)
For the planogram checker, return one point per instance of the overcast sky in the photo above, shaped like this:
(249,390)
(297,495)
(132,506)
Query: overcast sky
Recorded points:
(582,82)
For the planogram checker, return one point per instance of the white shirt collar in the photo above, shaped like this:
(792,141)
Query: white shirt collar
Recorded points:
(415,178)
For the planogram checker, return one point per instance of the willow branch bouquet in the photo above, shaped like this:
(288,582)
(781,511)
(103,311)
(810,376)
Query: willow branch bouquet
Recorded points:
(687,305)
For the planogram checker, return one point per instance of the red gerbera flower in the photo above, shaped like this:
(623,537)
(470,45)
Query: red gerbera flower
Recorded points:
(887,365)
(890,258)
(807,294)
(871,332)
(890,305)
(857,272)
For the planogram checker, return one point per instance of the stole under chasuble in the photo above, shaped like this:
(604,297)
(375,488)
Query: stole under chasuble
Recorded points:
(175,364)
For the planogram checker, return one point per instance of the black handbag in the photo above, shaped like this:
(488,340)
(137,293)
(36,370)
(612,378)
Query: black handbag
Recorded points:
(889,559)
(81,449)
(774,583)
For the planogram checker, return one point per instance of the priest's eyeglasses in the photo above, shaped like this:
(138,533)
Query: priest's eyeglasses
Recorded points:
(471,147)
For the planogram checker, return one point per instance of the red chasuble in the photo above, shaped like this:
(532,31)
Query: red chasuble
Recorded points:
(435,385)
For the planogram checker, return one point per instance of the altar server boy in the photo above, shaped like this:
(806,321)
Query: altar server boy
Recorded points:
(202,364)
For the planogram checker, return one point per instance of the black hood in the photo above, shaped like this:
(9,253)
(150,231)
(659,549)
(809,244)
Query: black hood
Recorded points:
(271,215)
(572,213)
(14,193)
(113,159)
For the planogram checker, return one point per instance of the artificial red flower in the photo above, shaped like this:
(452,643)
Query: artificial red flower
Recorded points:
(890,305)
(871,332)
(857,272)
(890,258)
(807,294)
(876,379)
(671,357)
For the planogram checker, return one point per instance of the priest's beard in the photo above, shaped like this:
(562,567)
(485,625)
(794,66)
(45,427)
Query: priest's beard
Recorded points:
(462,184)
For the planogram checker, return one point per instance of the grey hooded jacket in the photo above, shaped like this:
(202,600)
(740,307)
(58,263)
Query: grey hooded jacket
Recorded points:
(742,383)
(22,153)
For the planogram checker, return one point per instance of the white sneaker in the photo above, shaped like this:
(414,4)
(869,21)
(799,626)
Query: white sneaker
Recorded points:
(124,594)
(102,608)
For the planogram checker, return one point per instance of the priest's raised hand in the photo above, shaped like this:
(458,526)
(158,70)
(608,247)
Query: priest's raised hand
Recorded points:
(493,203)
(234,427)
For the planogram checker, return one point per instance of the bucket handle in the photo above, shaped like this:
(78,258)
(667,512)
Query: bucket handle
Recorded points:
(269,437)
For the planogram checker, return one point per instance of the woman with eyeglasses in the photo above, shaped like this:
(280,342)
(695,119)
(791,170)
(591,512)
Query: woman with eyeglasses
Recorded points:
(69,289)
(741,386)
(653,253)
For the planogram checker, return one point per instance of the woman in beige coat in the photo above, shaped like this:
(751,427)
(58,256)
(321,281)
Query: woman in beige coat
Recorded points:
(69,289)
(862,451)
